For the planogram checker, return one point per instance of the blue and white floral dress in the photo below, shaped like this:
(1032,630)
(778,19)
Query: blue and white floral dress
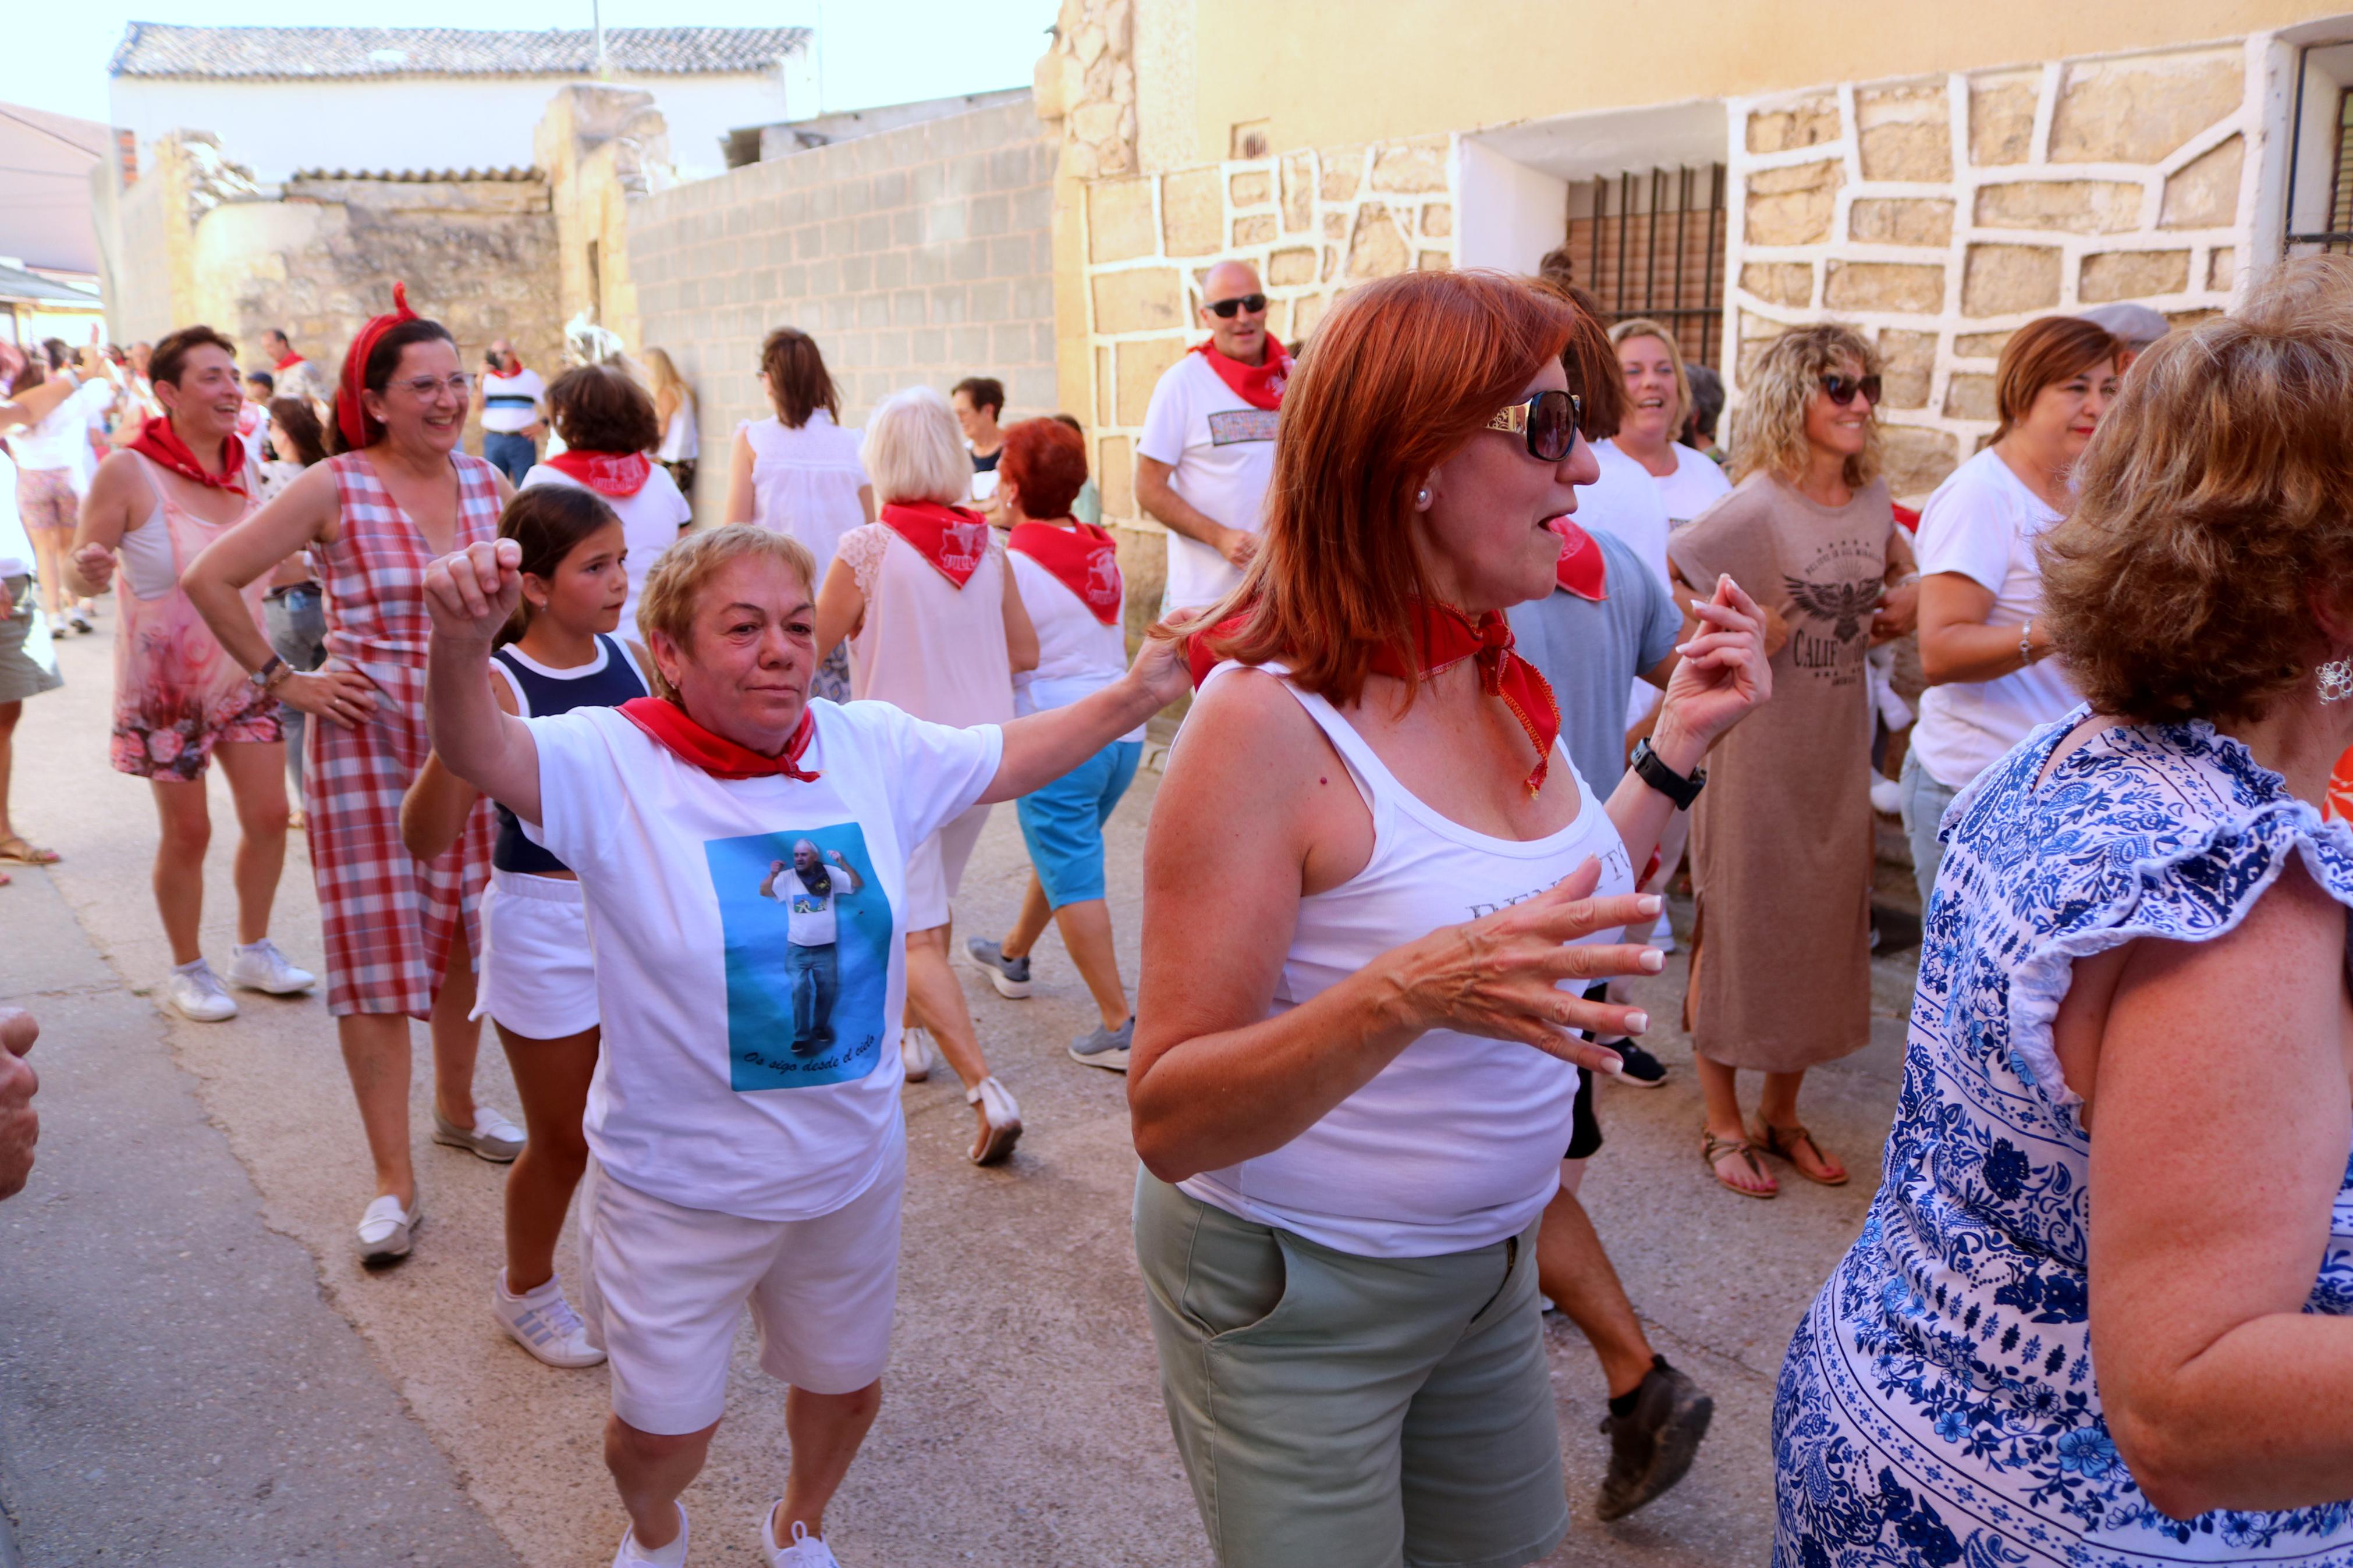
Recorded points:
(1939,1404)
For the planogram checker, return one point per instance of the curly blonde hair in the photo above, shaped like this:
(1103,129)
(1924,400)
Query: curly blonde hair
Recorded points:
(1774,398)
(2215,500)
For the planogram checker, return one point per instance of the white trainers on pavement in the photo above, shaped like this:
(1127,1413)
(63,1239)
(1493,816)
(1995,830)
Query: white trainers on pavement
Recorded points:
(803,1551)
(542,1322)
(196,992)
(387,1230)
(492,1136)
(259,966)
(632,1555)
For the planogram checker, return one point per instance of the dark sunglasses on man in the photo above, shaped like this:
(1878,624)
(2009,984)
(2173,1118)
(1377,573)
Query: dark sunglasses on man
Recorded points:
(1548,421)
(1224,309)
(1841,389)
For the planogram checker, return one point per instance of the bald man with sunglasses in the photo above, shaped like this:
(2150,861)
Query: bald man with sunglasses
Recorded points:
(1206,453)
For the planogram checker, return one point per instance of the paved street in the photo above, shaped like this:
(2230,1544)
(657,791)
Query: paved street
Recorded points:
(195,1371)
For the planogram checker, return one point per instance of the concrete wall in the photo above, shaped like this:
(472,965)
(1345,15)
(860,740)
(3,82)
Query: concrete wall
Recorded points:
(918,255)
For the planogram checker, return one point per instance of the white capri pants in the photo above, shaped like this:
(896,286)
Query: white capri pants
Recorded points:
(537,979)
(935,870)
(665,1287)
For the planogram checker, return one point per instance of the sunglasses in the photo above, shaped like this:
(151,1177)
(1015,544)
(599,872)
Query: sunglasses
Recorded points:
(1224,309)
(1842,388)
(1548,420)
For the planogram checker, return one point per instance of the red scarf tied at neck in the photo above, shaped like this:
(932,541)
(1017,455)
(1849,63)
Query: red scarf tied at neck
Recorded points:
(350,414)
(1081,557)
(954,539)
(616,474)
(1260,386)
(159,441)
(1448,637)
(289,362)
(667,723)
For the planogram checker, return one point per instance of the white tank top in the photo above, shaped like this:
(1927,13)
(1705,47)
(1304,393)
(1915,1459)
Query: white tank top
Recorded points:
(1457,1144)
(805,482)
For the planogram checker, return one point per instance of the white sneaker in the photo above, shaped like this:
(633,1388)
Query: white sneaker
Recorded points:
(542,1322)
(805,1551)
(261,967)
(916,1053)
(196,992)
(1886,797)
(632,1555)
(387,1230)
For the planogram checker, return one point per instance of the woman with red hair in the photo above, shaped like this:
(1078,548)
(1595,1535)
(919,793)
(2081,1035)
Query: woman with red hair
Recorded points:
(1067,576)
(401,932)
(1375,890)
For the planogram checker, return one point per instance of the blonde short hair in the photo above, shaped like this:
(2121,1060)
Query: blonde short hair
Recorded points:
(1644,327)
(2215,504)
(1774,398)
(913,452)
(667,602)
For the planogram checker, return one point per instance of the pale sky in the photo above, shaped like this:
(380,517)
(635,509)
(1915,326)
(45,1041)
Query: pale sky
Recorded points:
(874,51)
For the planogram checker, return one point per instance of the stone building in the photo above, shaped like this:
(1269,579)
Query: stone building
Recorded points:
(1738,169)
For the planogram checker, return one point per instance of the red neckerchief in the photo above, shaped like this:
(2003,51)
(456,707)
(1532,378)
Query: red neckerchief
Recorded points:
(289,361)
(1584,570)
(1081,557)
(508,374)
(1448,637)
(1260,386)
(618,474)
(158,440)
(350,414)
(717,755)
(954,539)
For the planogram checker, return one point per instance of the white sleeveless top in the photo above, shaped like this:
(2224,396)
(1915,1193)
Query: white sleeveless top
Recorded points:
(1457,1144)
(928,647)
(805,482)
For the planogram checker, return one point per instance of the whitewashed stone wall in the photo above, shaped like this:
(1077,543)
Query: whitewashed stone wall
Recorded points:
(1941,214)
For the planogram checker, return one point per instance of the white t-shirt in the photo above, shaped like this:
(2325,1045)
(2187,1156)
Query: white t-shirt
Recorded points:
(1077,655)
(808,911)
(1982,522)
(1222,450)
(680,441)
(704,1095)
(60,440)
(1693,488)
(510,403)
(649,523)
(1626,504)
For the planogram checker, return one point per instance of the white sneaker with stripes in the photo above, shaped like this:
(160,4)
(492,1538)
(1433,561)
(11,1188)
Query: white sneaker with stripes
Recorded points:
(542,1322)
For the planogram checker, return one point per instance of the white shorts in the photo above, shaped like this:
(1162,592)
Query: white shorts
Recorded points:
(537,979)
(665,1287)
(935,870)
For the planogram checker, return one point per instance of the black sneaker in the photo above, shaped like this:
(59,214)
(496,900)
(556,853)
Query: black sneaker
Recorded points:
(1106,1048)
(1010,976)
(1651,1447)
(1641,1069)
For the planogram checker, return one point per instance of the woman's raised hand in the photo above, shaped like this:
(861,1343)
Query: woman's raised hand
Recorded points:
(471,593)
(1724,672)
(1499,976)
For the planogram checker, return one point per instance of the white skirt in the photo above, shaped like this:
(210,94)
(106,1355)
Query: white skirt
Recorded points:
(537,979)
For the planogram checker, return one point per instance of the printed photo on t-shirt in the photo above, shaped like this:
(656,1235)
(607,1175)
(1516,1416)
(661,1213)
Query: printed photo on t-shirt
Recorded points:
(807,934)
(1229,425)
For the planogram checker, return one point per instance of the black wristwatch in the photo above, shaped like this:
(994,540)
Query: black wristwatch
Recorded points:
(1665,780)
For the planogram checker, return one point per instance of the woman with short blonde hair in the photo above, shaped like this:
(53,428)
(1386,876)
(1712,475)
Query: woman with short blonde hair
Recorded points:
(2138,1349)
(936,627)
(1781,855)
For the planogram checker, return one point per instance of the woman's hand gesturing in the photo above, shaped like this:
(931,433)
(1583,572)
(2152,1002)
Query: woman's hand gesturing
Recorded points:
(1499,976)
(1724,672)
(472,592)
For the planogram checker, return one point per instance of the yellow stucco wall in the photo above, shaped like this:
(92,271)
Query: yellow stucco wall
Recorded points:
(1416,67)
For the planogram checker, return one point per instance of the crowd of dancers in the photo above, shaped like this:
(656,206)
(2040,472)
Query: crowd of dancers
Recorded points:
(1477,635)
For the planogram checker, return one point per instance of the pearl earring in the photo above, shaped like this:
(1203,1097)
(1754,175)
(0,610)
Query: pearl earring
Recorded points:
(2337,680)
(1421,499)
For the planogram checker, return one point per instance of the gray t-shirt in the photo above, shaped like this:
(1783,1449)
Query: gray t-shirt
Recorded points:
(1592,652)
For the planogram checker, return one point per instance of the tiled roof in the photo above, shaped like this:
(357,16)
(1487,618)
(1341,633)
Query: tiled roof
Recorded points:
(161,49)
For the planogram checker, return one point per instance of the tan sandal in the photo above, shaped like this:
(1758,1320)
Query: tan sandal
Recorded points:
(15,851)
(1713,1148)
(1779,1142)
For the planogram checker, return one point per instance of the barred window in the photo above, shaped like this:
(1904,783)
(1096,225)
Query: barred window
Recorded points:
(1651,244)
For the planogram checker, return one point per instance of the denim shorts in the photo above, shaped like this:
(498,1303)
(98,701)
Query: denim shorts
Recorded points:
(1063,823)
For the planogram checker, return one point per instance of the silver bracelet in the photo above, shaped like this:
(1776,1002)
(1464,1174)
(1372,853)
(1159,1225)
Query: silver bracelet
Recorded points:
(2026,644)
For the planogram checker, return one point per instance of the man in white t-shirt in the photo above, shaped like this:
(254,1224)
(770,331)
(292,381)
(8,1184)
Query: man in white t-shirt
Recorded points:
(1207,454)
(807,888)
(509,402)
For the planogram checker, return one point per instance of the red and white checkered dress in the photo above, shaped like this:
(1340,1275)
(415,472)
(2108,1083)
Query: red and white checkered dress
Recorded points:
(389,917)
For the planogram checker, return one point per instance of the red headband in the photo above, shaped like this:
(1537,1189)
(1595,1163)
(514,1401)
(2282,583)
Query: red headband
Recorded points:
(350,414)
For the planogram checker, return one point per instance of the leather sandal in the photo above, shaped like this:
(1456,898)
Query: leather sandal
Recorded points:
(15,851)
(1779,1142)
(1713,1148)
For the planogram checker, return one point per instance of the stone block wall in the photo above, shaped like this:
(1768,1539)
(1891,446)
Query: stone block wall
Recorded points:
(1939,215)
(918,255)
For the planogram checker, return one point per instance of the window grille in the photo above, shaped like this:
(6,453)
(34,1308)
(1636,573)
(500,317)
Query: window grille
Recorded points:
(1651,244)
(2338,236)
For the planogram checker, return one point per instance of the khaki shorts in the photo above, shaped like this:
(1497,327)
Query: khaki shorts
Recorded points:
(1352,1412)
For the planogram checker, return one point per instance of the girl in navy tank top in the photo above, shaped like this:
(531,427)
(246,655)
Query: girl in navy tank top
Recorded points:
(538,984)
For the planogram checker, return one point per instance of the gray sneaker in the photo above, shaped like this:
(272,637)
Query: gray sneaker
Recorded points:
(1010,976)
(1106,1048)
